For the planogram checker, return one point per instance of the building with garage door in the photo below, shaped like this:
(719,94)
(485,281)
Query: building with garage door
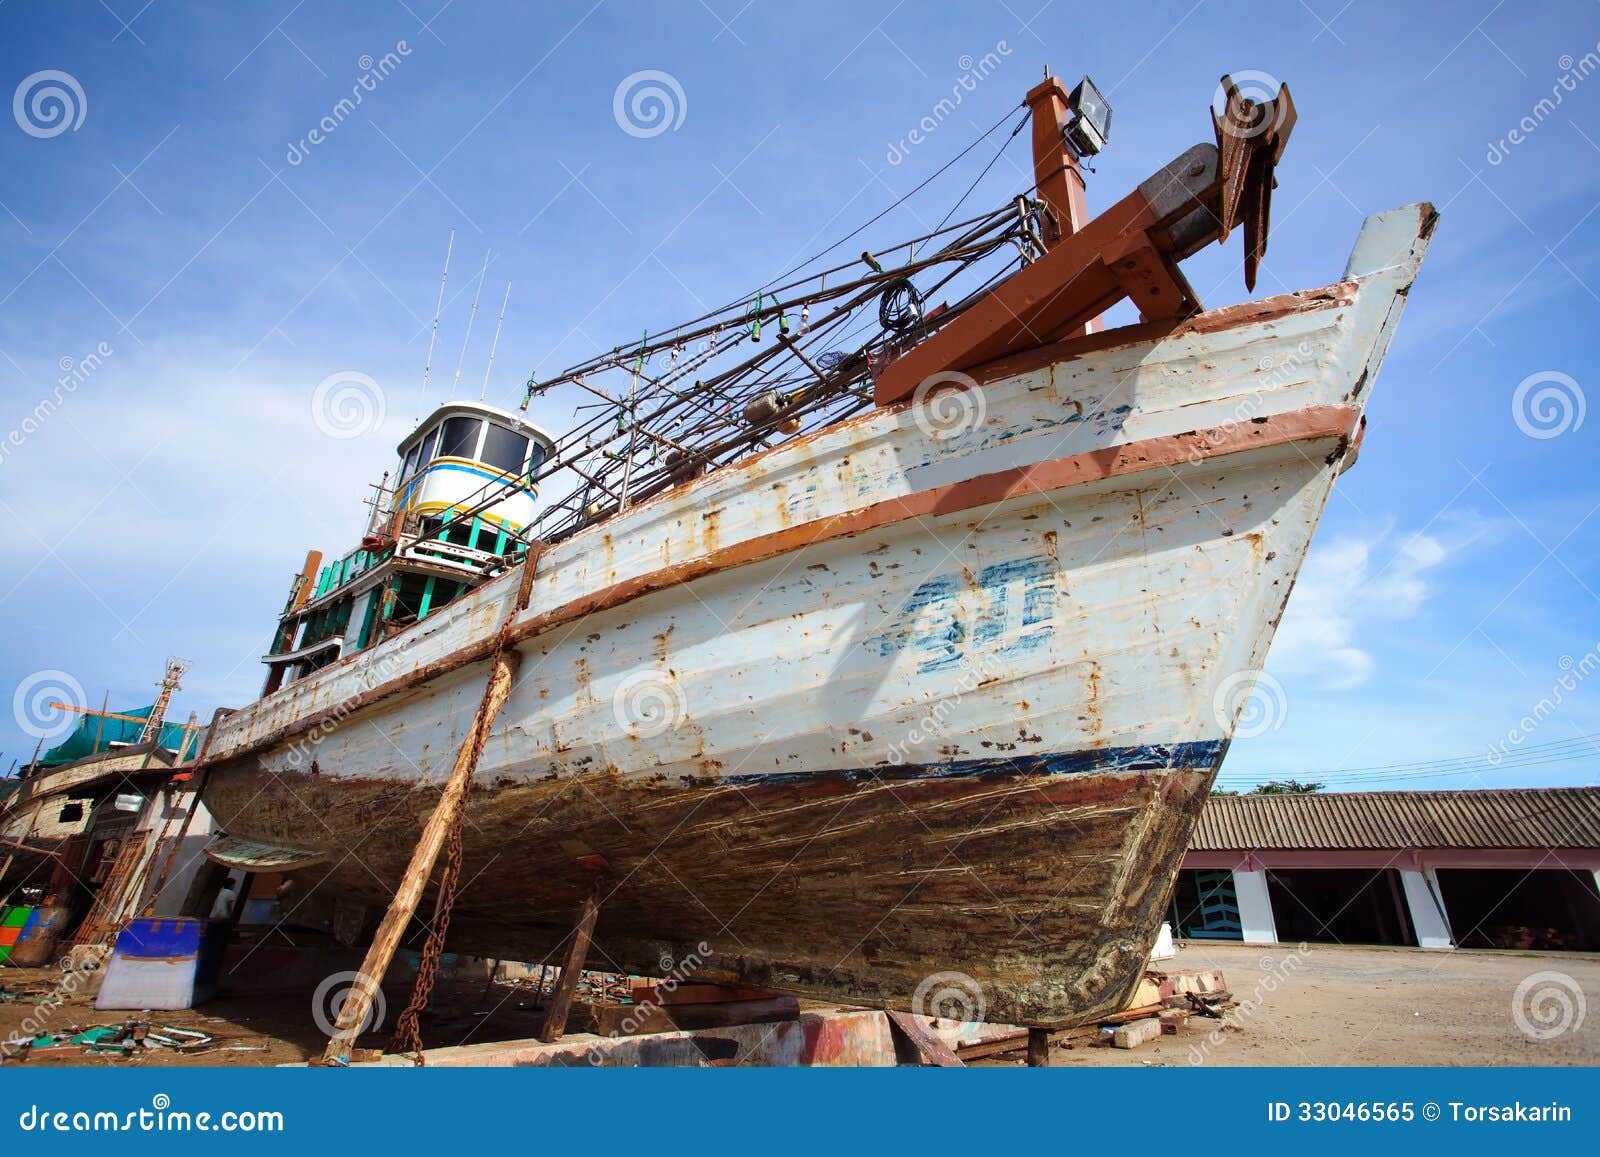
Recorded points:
(1513,868)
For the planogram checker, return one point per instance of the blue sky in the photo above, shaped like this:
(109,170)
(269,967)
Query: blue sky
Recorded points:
(188,226)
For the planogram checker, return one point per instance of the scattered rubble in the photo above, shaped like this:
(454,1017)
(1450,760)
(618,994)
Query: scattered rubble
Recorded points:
(133,1037)
(1161,1006)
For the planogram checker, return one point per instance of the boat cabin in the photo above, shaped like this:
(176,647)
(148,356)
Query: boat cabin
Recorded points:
(453,518)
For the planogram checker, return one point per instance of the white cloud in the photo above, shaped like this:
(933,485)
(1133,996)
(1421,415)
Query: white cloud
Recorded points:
(164,507)
(1348,590)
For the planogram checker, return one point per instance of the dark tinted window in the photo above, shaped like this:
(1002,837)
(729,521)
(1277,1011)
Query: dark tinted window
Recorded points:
(427,447)
(504,449)
(408,598)
(459,437)
(410,464)
(537,458)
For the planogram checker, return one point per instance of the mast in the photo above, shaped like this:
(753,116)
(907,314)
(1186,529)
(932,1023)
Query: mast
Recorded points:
(158,714)
(1055,170)
(434,335)
(467,337)
(495,344)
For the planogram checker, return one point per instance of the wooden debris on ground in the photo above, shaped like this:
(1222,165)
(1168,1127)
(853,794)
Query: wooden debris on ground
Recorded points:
(1162,1006)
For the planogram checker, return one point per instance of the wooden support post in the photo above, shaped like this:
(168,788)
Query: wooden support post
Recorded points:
(555,1016)
(1038,1048)
(929,1048)
(99,728)
(358,1004)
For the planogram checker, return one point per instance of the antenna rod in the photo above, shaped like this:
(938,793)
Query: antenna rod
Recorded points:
(434,336)
(460,361)
(495,344)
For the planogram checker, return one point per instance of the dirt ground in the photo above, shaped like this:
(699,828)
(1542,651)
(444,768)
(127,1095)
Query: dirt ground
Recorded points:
(1333,1005)
(1323,1005)
(252,1030)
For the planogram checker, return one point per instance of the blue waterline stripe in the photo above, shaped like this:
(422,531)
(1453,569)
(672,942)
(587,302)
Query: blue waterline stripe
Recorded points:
(1147,757)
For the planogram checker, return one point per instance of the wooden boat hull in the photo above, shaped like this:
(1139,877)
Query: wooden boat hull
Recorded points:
(888,705)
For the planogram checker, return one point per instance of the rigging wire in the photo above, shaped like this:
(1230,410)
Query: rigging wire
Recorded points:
(895,205)
(1021,124)
(720,417)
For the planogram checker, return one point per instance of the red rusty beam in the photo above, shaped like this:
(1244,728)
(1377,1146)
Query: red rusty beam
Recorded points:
(1078,279)
(1055,170)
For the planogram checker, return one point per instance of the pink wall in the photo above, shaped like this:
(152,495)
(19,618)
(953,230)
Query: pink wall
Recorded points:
(1577,859)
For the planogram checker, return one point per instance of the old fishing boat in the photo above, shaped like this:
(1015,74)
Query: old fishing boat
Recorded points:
(868,648)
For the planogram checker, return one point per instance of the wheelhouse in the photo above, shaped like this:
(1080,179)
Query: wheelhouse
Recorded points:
(454,516)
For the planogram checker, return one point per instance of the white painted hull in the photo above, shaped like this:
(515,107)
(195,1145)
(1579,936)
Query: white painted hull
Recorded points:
(877,703)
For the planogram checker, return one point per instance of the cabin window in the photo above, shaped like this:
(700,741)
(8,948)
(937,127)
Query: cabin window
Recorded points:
(410,463)
(446,592)
(488,538)
(427,442)
(459,533)
(504,449)
(458,437)
(408,598)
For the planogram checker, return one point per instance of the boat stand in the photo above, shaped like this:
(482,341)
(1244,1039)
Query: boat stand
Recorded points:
(560,1007)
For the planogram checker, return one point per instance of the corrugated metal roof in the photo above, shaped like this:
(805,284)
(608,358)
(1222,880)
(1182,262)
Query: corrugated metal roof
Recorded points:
(1551,817)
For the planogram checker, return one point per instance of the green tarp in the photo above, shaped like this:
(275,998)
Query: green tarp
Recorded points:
(82,740)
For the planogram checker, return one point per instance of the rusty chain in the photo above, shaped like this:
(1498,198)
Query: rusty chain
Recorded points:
(407,1030)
